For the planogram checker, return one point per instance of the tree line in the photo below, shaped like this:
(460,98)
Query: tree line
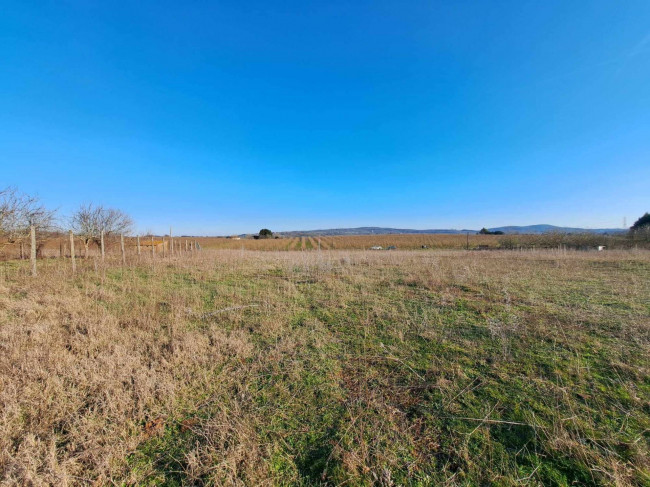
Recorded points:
(20,211)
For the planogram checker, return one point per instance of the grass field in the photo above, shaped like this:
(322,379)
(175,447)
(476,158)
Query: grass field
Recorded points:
(238,367)
(56,245)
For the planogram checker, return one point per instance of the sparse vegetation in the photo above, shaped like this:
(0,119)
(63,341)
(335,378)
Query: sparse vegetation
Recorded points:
(641,228)
(18,211)
(581,241)
(89,221)
(307,368)
(642,222)
(485,231)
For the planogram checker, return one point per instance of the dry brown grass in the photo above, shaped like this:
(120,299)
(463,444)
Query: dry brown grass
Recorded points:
(235,367)
(52,246)
(354,242)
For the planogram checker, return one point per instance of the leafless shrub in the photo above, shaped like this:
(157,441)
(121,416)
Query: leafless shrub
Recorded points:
(18,211)
(89,221)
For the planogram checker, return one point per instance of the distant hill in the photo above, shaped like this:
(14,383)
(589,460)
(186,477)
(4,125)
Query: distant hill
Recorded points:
(544,228)
(365,231)
(529,229)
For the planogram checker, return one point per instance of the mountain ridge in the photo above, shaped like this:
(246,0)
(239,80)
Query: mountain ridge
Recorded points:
(509,229)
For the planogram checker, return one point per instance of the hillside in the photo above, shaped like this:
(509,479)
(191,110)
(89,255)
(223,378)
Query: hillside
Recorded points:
(513,229)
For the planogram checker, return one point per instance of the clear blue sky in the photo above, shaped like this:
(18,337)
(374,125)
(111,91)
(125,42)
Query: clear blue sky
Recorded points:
(226,117)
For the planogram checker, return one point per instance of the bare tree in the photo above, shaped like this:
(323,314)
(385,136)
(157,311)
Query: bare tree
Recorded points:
(18,211)
(89,221)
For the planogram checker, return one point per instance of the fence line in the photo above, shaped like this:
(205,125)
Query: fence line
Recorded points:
(58,246)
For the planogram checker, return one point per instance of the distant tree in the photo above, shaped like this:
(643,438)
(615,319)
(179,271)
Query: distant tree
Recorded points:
(265,233)
(643,221)
(18,211)
(89,221)
(641,227)
(485,231)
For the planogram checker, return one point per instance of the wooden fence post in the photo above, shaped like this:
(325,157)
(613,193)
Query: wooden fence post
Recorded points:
(101,242)
(163,246)
(171,243)
(122,248)
(74,264)
(138,245)
(22,250)
(32,254)
(153,248)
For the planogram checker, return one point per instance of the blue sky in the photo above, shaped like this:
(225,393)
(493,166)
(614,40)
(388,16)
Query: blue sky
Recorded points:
(226,117)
